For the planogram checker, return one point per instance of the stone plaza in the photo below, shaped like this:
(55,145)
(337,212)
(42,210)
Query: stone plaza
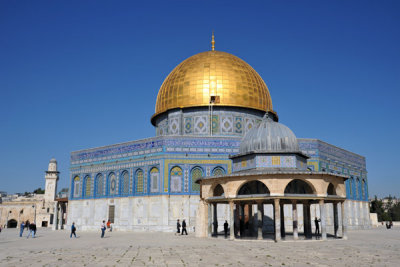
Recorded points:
(372,247)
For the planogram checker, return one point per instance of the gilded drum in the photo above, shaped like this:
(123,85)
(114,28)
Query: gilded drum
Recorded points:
(213,73)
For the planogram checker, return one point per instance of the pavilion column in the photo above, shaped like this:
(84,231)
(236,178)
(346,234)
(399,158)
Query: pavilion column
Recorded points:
(215,220)
(295,220)
(335,218)
(55,219)
(237,219)
(277,218)
(231,221)
(260,217)
(282,206)
(209,217)
(323,218)
(241,222)
(306,220)
(344,222)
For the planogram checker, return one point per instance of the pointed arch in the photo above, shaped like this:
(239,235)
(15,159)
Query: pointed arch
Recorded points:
(331,191)
(253,188)
(218,191)
(298,186)
(218,171)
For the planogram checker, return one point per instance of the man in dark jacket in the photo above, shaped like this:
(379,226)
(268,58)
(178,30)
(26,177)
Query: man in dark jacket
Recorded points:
(73,230)
(32,229)
(184,227)
(178,227)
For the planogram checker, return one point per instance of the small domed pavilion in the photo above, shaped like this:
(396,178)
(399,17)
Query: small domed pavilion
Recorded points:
(271,170)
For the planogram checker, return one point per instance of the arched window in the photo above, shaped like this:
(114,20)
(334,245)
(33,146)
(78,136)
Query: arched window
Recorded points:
(331,190)
(298,187)
(363,188)
(154,180)
(139,181)
(357,188)
(253,188)
(99,185)
(218,171)
(77,181)
(112,184)
(176,180)
(124,183)
(88,186)
(218,191)
(351,186)
(195,174)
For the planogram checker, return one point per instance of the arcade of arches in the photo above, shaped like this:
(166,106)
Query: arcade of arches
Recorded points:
(257,204)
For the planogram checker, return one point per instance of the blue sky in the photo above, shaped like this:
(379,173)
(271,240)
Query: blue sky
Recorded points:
(82,74)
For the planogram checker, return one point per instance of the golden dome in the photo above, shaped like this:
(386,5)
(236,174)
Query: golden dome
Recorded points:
(213,73)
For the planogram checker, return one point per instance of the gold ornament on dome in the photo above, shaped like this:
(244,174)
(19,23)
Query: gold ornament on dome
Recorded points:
(213,77)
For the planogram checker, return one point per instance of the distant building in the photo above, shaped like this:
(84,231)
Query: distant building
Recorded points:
(38,208)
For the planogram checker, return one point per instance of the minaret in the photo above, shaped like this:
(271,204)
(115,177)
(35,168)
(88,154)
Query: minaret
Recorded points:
(51,181)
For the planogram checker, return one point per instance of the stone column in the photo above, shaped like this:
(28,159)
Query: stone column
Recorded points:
(60,218)
(231,221)
(307,220)
(335,218)
(323,218)
(277,218)
(260,219)
(295,220)
(215,219)
(55,219)
(344,222)
(209,216)
(282,207)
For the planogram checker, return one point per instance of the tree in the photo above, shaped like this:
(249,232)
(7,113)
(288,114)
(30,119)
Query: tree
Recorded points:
(38,191)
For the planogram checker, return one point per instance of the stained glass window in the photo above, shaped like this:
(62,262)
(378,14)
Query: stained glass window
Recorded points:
(77,186)
(139,181)
(99,184)
(195,174)
(176,180)
(154,175)
(125,183)
(88,186)
(112,184)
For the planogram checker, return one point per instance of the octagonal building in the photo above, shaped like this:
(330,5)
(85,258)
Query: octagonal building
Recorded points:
(204,108)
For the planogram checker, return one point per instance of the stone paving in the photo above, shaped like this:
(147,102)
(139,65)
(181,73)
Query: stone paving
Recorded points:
(375,247)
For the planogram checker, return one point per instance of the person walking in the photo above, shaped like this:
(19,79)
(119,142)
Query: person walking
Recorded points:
(21,228)
(316,221)
(184,227)
(226,228)
(178,227)
(73,230)
(103,228)
(32,230)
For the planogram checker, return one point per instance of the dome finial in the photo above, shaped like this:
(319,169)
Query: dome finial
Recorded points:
(212,42)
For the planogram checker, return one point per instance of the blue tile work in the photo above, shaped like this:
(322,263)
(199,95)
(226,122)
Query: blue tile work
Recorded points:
(207,153)
(329,158)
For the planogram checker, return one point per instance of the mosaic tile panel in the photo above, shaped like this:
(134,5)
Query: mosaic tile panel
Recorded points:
(227,124)
(188,125)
